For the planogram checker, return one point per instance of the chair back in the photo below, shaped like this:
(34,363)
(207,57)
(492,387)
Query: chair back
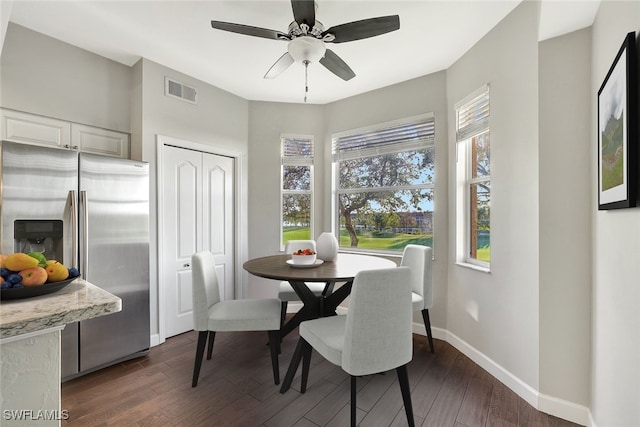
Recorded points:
(293,245)
(420,260)
(378,324)
(206,290)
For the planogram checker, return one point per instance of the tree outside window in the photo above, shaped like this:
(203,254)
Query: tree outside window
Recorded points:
(385,185)
(480,199)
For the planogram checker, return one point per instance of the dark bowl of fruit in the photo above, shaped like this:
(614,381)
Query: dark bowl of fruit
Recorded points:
(31,275)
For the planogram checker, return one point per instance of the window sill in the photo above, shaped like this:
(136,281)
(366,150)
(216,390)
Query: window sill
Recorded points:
(474,267)
(371,253)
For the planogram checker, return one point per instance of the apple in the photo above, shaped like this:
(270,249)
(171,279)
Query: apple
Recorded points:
(34,276)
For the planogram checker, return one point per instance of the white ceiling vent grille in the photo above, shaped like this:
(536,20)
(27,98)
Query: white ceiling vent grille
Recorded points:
(178,90)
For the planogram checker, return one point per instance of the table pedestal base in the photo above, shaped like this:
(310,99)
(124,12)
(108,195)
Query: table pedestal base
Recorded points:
(315,306)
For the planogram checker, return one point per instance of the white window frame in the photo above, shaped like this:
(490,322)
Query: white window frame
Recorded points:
(471,122)
(296,161)
(337,156)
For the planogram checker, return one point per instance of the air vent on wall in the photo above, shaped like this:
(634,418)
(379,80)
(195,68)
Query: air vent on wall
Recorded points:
(178,90)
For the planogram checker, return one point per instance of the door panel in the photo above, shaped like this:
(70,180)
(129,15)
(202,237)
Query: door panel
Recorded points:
(218,215)
(185,300)
(181,213)
(186,206)
(197,215)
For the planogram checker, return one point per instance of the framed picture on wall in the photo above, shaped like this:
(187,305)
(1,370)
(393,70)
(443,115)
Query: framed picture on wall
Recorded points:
(617,131)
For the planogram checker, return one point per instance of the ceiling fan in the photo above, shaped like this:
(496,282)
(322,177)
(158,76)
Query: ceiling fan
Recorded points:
(307,38)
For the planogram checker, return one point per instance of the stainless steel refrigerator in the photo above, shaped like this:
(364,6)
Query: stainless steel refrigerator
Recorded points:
(90,212)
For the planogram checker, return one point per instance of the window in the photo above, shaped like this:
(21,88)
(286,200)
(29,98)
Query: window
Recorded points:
(474,172)
(296,188)
(384,180)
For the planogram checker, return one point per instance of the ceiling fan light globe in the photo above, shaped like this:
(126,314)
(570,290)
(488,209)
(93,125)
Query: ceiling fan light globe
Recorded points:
(306,48)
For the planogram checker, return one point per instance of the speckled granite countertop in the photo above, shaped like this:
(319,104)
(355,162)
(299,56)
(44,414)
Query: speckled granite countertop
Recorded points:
(80,300)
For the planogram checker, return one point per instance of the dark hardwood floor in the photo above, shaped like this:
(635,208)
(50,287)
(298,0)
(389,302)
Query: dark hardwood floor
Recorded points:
(236,389)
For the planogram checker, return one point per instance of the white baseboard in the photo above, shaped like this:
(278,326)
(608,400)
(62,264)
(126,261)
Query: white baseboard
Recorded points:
(550,405)
(154,340)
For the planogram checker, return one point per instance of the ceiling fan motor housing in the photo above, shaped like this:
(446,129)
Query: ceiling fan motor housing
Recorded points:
(306,49)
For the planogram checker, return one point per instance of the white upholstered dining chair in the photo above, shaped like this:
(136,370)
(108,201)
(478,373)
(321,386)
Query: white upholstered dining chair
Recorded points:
(419,259)
(211,315)
(285,291)
(374,336)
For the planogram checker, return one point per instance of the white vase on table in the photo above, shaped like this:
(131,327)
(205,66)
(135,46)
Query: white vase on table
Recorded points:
(327,247)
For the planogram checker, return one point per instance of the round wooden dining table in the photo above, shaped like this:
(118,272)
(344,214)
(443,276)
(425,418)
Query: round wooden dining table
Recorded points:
(343,269)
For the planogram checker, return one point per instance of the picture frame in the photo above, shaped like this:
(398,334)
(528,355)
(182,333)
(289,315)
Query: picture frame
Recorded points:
(617,131)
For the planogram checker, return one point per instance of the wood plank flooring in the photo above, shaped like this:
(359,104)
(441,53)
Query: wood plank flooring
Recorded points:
(236,389)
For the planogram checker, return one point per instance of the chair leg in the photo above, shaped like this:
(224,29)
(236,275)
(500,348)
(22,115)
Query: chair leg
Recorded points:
(283,312)
(212,337)
(202,341)
(306,362)
(403,379)
(353,400)
(293,366)
(427,326)
(274,344)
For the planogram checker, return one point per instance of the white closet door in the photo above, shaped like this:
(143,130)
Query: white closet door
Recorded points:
(198,214)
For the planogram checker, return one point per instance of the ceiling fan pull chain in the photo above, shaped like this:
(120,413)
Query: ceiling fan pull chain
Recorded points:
(306,86)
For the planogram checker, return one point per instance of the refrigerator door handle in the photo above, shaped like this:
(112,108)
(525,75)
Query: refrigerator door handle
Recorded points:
(74,228)
(84,208)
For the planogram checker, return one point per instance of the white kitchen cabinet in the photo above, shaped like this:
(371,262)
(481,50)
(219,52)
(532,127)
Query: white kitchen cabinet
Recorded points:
(90,139)
(33,129)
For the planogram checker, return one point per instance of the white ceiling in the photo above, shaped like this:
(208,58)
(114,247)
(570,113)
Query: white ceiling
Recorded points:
(433,34)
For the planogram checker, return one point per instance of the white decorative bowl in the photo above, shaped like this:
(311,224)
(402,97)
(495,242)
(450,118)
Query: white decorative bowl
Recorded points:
(303,259)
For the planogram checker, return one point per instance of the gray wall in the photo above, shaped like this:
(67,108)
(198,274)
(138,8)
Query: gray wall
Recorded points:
(267,121)
(45,76)
(616,255)
(497,313)
(565,219)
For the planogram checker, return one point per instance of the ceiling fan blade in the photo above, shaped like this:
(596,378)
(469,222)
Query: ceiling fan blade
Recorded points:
(364,29)
(279,66)
(336,65)
(249,30)
(304,11)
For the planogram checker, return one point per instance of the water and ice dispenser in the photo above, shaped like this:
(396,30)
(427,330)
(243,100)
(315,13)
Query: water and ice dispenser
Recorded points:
(38,235)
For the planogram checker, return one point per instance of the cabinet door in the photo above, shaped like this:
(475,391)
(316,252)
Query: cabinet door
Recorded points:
(89,139)
(32,129)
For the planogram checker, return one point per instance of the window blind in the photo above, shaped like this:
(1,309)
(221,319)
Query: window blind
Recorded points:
(415,134)
(297,150)
(472,116)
